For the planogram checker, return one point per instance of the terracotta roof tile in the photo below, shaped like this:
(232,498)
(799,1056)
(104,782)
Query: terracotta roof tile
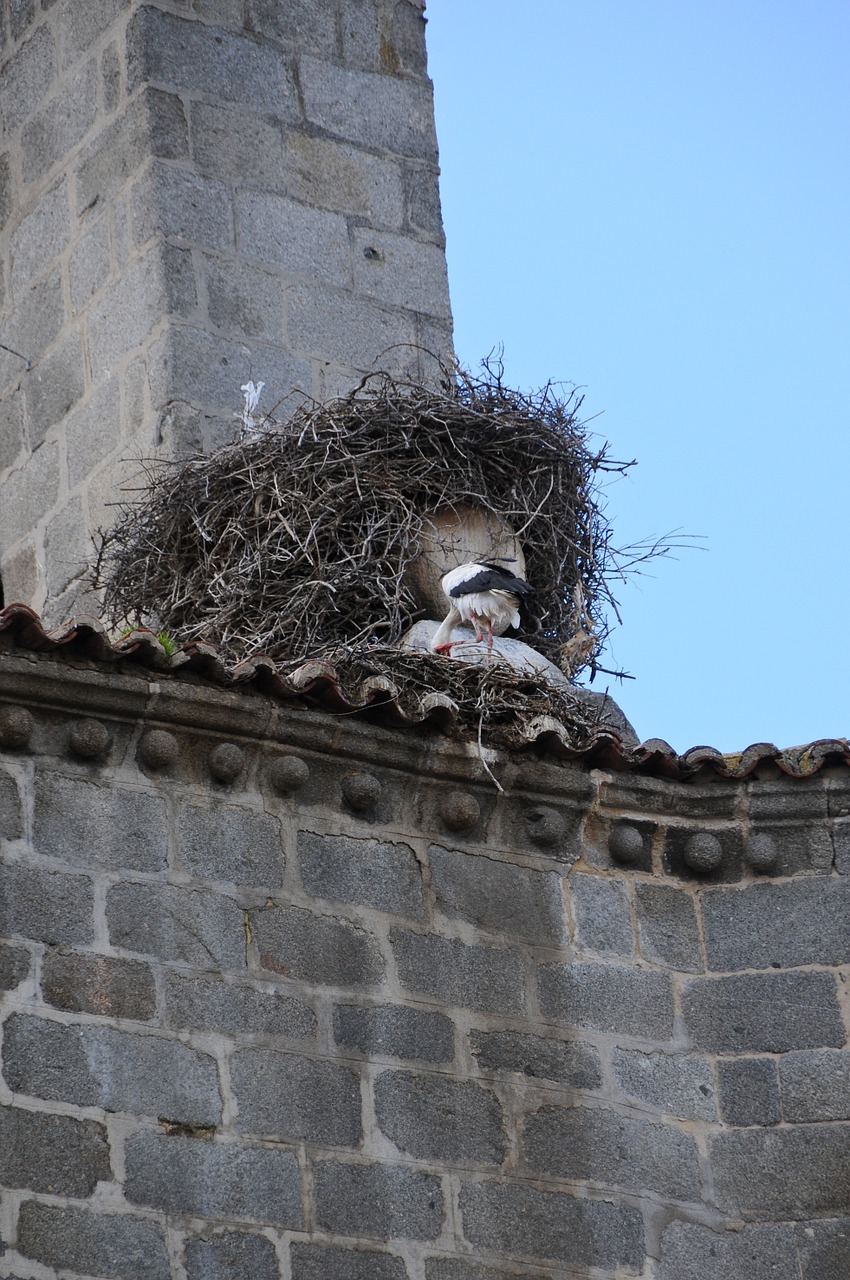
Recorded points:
(319,684)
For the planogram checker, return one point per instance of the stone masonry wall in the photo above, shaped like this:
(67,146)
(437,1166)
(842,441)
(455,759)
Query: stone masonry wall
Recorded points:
(194,193)
(299,998)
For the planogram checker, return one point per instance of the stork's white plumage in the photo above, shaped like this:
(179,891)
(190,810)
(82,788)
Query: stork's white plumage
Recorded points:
(484,595)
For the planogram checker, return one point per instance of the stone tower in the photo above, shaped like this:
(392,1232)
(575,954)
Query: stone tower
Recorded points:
(195,193)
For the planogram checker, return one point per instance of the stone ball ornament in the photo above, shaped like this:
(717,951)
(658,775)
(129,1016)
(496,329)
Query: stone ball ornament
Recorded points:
(159,749)
(361,791)
(459,811)
(89,739)
(226,762)
(703,852)
(288,774)
(544,826)
(16,727)
(625,843)
(761,853)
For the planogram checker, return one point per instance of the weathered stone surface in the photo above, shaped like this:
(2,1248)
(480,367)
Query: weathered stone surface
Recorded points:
(430,1117)
(127,312)
(79,29)
(693,1252)
(90,431)
(14,967)
(232,1254)
(205,367)
(214,1179)
(679,1085)
(400,271)
(153,124)
(603,916)
(334,175)
(65,549)
(394,1031)
(614,998)
(30,327)
(301,23)
(769,925)
(204,929)
(42,235)
(244,299)
(209,1004)
(314,244)
(667,926)
(321,1262)
(378,1200)
(382,113)
(601,1145)
(60,125)
(81,983)
(229,843)
(172,202)
(749,1091)
(88,825)
(368,873)
(56,386)
(487,978)
(96,1244)
(823,1249)
(217,65)
(297,1099)
(511,1218)
(238,146)
(775,799)
(11,813)
(763,1013)
(815,1086)
(752,1170)
(567,1061)
(56,1155)
(498,896)
(116,1070)
(298,944)
(27,77)
(45,905)
(464,1269)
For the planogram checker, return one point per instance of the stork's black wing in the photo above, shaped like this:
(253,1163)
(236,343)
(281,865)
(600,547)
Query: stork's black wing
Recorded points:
(492,577)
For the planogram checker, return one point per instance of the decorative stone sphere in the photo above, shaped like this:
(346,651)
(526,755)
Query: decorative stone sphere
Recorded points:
(544,826)
(460,811)
(361,790)
(761,853)
(625,843)
(288,774)
(703,852)
(16,727)
(159,748)
(89,738)
(227,762)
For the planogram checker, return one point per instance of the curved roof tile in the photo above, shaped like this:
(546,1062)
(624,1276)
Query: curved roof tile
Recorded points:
(319,684)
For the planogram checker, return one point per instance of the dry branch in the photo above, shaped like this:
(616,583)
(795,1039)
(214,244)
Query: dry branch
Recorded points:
(293,541)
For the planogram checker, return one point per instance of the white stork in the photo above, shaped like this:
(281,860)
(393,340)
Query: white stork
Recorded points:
(482,594)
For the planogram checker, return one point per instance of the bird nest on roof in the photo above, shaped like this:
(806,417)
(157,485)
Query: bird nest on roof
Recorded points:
(295,540)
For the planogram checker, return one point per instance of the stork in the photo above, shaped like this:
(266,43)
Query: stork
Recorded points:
(482,594)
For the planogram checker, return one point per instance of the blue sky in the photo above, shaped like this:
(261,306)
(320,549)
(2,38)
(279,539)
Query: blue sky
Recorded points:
(652,201)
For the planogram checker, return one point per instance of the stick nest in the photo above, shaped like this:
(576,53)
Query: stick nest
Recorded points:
(293,541)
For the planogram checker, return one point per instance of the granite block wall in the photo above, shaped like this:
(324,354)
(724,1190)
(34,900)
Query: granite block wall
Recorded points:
(297,998)
(192,195)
